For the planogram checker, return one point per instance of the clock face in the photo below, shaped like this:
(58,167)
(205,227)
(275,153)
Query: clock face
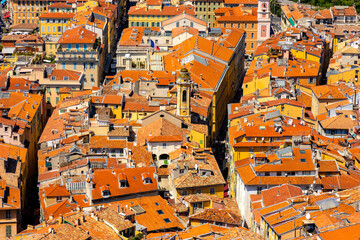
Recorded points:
(264,5)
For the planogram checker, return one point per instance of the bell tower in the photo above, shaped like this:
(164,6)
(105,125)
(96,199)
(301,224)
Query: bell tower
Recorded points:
(183,94)
(264,21)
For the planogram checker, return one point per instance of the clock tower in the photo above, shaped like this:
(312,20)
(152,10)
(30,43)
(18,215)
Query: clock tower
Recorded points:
(264,21)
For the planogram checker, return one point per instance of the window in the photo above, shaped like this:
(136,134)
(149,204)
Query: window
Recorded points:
(113,154)
(69,46)
(166,220)
(177,24)
(58,199)
(63,65)
(85,47)
(181,171)
(6,129)
(75,65)
(47,100)
(57,100)
(278,174)
(164,145)
(92,79)
(77,47)
(59,29)
(198,191)
(160,212)
(48,29)
(54,29)
(57,90)
(252,45)
(123,184)
(15,138)
(8,231)
(184,193)
(303,160)
(252,35)
(8,214)
(258,190)
(43,29)
(121,150)
(212,191)
(157,204)
(184,96)
(311,80)
(267,174)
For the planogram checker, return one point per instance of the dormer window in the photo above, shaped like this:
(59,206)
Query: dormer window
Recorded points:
(53,78)
(123,184)
(66,78)
(106,193)
(147,180)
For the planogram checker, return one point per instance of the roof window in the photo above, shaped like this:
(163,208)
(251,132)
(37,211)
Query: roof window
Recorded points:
(166,220)
(160,212)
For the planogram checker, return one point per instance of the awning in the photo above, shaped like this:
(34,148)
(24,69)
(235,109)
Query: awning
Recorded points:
(8,50)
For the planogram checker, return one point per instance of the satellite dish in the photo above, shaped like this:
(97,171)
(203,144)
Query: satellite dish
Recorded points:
(308,216)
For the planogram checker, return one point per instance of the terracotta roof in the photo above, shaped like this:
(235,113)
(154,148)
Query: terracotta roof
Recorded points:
(57,15)
(60,5)
(152,206)
(328,166)
(180,30)
(217,215)
(328,92)
(109,179)
(78,35)
(98,141)
(279,194)
(182,16)
(56,191)
(160,128)
(163,138)
(166,10)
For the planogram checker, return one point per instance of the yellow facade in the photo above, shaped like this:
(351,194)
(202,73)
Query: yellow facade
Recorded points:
(86,6)
(256,83)
(55,26)
(50,48)
(219,191)
(206,204)
(304,55)
(146,20)
(199,137)
(350,75)
(135,115)
(221,98)
(116,111)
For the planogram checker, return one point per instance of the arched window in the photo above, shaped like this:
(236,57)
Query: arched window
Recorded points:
(184,96)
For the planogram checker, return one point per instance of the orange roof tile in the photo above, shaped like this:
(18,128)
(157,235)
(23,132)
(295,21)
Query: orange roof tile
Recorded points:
(78,35)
